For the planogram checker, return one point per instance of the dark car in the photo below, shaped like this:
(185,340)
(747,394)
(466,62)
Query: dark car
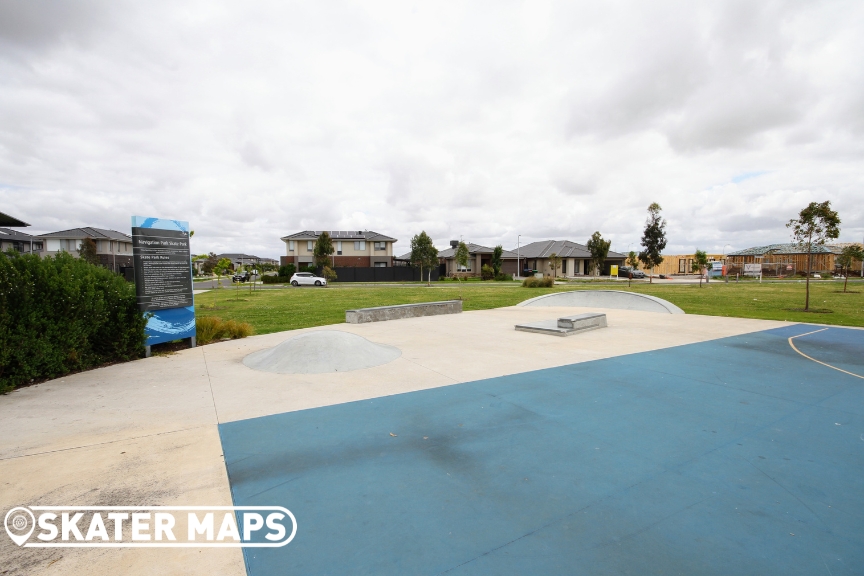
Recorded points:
(244,277)
(625,271)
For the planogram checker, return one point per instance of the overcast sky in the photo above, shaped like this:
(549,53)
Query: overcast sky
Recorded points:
(480,120)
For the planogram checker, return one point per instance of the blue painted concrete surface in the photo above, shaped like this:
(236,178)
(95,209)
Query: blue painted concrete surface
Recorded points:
(735,456)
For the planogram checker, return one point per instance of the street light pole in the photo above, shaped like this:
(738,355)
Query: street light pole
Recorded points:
(518,270)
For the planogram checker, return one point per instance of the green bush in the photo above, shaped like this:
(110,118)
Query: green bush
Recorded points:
(534,282)
(501,277)
(287,270)
(275,279)
(61,314)
(487,272)
(328,273)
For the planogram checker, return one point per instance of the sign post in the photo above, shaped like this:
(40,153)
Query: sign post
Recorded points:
(163,279)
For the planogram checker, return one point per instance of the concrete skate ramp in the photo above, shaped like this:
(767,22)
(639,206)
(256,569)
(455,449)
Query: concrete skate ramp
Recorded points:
(605,299)
(322,352)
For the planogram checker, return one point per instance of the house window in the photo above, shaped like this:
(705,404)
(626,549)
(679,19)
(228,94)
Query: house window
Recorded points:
(339,248)
(309,244)
(360,245)
(380,264)
(682,266)
(563,266)
(290,245)
(380,246)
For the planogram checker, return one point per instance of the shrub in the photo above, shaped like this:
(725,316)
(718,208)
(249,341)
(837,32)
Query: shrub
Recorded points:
(275,279)
(486,272)
(287,270)
(212,328)
(534,282)
(501,277)
(61,314)
(328,274)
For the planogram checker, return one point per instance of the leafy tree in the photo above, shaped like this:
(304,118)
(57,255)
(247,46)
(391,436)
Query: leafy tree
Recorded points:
(328,273)
(461,256)
(633,260)
(496,262)
(848,256)
(815,225)
(210,263)
(487,272)
(287,270)
(599,249)
(87,251)
(700,263)
(323,249)
(424,254)
(221,267)
(653,239)
(555,263)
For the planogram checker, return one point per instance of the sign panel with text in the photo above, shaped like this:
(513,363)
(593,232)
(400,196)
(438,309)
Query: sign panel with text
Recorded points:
(163,277)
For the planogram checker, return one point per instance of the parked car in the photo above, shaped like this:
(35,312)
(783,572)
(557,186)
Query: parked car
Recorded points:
(624,272)
(308,279)
(244,277)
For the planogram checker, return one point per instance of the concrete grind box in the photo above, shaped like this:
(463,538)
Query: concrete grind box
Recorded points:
(383,313)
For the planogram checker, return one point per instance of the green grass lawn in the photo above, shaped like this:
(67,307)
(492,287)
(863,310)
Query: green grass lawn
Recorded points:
(287,309)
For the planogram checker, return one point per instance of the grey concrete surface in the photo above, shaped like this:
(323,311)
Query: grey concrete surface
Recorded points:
(566,325)
(614,299)
(322,352)
(384,313)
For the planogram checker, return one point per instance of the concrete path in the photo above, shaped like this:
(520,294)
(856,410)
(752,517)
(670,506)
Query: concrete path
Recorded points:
(145,432)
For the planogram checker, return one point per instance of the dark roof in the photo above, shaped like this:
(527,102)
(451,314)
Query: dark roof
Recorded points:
(14,235)
(89,232)
(473,249)
(341,235)
(563,248)
(6,220)
(779,249)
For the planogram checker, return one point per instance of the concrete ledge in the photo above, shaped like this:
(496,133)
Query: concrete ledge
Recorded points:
(619,299)
(566,326)
(384,313)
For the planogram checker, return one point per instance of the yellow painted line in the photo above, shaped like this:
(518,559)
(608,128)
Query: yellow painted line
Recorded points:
(792,344)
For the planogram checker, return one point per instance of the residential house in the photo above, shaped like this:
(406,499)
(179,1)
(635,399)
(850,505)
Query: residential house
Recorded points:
(675,264)
(113,248)
(575,258)
(353,248)
(478,256)
(781,259)
(19,241)
(11,221)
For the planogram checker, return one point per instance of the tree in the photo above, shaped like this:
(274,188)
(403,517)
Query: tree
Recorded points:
(210,263)
(496,259)
(555,263)
(87,251)
(328,273)
(221,267)
(599,249)
(633,260)
(700,263)
(815,225)
(848,256)
(424,254)
(461,257)
(323,249)
(653,239)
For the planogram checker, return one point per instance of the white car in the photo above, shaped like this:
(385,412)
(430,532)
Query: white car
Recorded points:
(307,278)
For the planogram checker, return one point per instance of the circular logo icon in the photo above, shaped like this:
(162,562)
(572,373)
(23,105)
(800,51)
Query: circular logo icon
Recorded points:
(20,523)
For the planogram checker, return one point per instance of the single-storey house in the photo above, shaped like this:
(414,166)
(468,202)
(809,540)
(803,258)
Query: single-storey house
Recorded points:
(113,248)
(784,259)
(19,241)
(478,256)
(353,248)
(575,258)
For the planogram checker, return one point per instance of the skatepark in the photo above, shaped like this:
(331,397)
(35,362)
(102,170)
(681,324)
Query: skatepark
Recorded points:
(660,443)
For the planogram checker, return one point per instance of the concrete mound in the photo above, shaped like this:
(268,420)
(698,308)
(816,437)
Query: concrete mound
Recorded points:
(618,299)
(322,352)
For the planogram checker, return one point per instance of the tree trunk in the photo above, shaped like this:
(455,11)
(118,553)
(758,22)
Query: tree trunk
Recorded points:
(846,280)
(809,265)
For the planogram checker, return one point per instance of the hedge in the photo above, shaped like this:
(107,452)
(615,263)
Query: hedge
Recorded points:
(275,279)
(61,314)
